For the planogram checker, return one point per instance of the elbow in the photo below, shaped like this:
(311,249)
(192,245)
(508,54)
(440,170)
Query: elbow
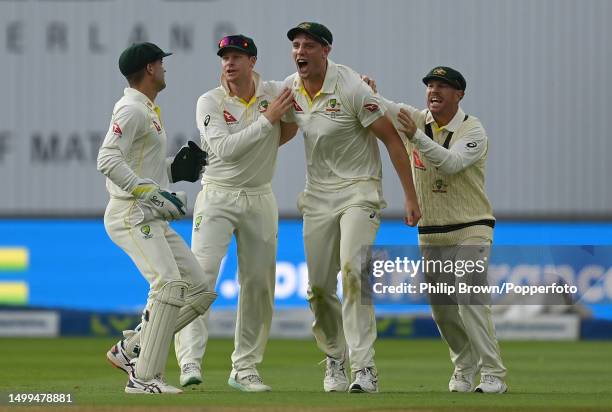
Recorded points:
(103,165)
(106,163)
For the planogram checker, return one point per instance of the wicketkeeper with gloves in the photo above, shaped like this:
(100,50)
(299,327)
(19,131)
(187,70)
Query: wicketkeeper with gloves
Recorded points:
(132,157)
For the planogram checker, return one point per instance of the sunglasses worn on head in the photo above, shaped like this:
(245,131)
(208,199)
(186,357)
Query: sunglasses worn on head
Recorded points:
(237,41)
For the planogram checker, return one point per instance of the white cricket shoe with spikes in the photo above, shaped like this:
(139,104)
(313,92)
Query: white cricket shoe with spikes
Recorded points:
(154,386)
(119,358)
(491,384)
(335,376)
(366,380)
(191,374)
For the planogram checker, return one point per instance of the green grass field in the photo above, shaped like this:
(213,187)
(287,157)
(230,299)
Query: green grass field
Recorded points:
(413,375)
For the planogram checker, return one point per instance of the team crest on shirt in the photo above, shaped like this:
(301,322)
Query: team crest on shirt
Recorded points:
(418,163)
(371,107)
(197,223)
(333,107)
(229,118)
(157,126)
(296,108)
(439,186)
(117,130)
(263,106)
(146,232)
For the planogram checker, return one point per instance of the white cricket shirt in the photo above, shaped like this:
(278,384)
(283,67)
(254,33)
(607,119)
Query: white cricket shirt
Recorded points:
(134,146)
(340,150)
(241,143)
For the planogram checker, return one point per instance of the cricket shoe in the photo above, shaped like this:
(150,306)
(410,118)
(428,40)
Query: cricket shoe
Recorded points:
(156,385)
(191,374)
(461,382)
(119,358)
(491,384)
(335,376)
(366,380)
(248,383)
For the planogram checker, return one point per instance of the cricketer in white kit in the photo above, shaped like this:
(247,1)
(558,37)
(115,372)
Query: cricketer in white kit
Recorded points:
(132,157)
(449,149)
(340,116)
(240,129)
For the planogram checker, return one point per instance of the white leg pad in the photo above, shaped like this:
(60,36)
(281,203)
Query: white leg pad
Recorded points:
(158,327)
(197,302)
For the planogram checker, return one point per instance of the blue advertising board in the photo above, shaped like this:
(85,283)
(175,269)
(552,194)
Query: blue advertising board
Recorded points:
(73,264)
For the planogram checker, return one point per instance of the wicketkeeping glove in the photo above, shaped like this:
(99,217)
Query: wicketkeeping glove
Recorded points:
(188,163)
(162,203)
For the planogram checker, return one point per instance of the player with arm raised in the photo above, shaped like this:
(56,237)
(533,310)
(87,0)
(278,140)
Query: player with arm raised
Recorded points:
(448,149)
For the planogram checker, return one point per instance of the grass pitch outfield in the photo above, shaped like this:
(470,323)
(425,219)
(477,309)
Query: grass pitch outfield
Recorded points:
(413,375)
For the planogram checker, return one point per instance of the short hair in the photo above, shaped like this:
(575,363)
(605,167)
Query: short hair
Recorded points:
(135,78)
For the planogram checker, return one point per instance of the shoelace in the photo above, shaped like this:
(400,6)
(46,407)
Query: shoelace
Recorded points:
(333,367)
(190,367)
(161,378)
(366,372)
(253,379)
(489,379)
(460,377)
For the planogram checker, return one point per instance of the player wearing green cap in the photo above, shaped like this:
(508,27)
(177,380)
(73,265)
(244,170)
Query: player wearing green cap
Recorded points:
(339,117)
(448,151)
(132,157)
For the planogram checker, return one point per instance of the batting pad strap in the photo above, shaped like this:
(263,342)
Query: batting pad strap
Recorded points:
(197,303)
(158,327)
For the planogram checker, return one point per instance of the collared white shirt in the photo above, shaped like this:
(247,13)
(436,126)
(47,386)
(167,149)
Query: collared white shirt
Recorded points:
(339,148)
(135,145)
(241,143)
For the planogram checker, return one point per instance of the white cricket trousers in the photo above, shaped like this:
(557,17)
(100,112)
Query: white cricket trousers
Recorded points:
(161,256)
(252,216)
(337,227)
(158,252)
(468,329)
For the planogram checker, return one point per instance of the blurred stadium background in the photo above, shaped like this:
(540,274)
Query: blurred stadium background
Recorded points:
(537,78)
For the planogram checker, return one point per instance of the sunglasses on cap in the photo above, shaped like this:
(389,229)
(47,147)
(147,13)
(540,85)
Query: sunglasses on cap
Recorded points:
(237,41)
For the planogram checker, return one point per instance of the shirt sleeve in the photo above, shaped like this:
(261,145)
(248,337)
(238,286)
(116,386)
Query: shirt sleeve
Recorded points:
(393,109)
(275,86)
(125,127)
(463,153)
(366,105)
(228,146)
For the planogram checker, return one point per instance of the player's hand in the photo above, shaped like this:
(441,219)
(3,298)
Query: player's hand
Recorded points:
(413,212)
(279,106)
(188,163)
(408,127)
(163,203)
(370,82)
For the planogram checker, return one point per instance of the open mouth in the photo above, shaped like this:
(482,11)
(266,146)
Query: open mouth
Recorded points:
(434,101)
(301,63)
